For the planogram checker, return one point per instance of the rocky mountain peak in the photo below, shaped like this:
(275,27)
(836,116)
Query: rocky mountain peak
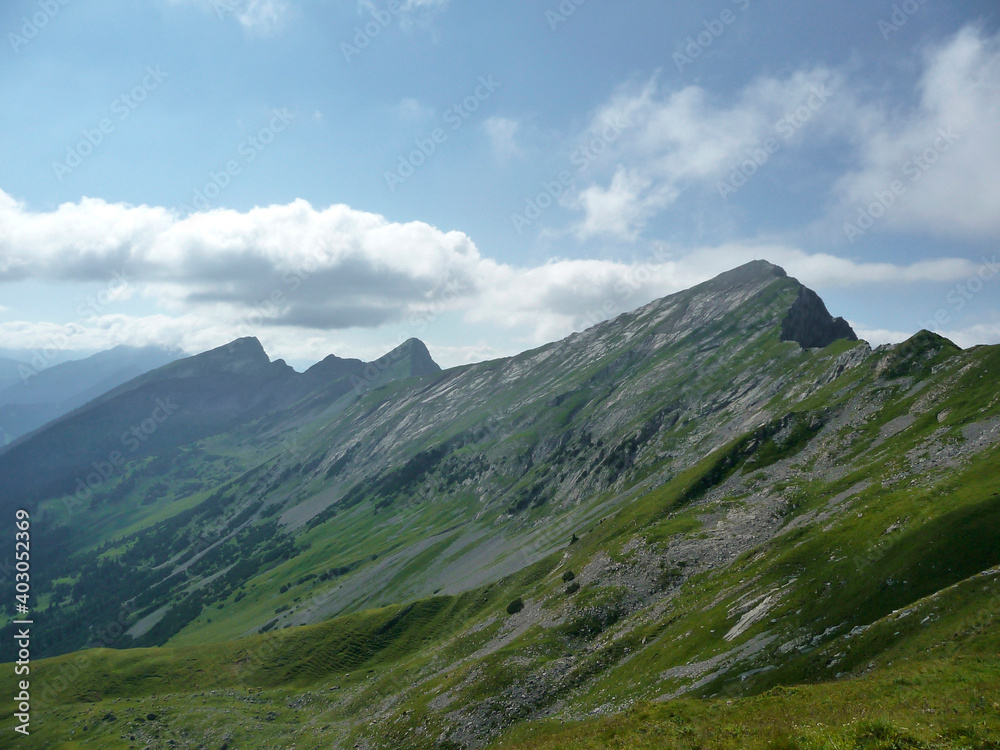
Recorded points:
(243,356)
(413,358)
(757,270)
(811,325)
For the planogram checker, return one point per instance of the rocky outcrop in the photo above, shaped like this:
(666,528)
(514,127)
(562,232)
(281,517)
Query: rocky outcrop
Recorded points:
(810,325)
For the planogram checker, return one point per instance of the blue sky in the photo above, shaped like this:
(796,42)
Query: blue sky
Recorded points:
(335,176)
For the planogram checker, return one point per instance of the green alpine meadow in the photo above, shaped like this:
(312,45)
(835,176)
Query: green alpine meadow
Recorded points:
(721,520)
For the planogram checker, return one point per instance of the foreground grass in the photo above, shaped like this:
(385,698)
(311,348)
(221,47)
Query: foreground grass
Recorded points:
(935,688)
(943,703)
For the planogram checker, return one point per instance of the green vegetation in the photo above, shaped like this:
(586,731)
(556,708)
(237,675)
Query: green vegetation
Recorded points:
(674,530)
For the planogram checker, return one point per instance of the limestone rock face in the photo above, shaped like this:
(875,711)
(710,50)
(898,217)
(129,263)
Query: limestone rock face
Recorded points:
(810,324)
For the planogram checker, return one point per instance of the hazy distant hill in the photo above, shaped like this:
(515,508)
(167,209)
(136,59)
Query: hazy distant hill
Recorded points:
(184,401)
(9,372)
(35,397)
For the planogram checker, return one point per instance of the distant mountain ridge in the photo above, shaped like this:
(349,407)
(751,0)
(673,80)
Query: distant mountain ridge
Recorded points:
(213,391)
(10,371)
(39,396)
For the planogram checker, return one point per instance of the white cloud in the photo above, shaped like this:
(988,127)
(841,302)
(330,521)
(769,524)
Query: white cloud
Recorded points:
(257,17)
(263,17)
(980,333)
(966,337)
(347,268)
(300,278)
(621,208)
(825,271)
(879,336)
(554,299)
(502,132)
(687,138)
(944,152)
(672,140)
(425,4)
(413,12)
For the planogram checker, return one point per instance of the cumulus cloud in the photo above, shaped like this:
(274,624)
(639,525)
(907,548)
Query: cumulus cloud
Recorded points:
(879,336)
(295,274)
(262,16)
(966,337)
(335,268)
(671,140)
(562,296)
(944,153)
(942,149)
(621,208)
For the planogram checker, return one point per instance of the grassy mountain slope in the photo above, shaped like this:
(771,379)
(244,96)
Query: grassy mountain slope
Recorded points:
(936,687)
(685,504)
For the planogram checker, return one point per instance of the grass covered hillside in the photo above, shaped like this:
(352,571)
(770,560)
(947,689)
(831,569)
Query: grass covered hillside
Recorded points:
(717,522)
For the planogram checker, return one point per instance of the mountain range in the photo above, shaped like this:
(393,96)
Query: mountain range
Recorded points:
(9,372)
(675,518)
(30,397)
